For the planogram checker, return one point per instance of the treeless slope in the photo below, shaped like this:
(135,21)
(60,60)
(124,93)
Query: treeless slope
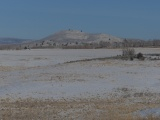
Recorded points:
(79,36)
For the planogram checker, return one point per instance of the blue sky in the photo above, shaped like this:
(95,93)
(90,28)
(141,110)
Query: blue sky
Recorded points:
(36,19)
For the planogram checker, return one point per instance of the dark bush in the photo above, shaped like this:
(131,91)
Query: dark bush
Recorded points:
(131,58)
(25,47)
(140,56)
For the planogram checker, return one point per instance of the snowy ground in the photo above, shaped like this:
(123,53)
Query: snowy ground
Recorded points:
(45,74)
(49,74)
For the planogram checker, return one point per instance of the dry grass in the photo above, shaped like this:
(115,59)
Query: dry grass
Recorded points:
(9,68)
(93,109)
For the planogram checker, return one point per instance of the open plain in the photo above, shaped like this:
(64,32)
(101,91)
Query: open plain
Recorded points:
(76,84)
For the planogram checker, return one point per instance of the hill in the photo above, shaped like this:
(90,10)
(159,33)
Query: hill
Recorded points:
(79,36)
(65,39)
(75,38)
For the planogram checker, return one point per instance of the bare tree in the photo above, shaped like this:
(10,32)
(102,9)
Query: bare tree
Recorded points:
(128,52)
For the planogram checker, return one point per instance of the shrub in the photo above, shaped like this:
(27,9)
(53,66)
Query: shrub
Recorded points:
(131,58)
(25,47)
(140,56)
(129,52)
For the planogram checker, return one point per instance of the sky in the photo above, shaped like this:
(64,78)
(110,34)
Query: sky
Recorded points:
(36,19)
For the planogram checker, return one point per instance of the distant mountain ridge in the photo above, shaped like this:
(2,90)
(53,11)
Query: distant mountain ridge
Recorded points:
(74,39)
(8,41)
(66,36)
(65,39)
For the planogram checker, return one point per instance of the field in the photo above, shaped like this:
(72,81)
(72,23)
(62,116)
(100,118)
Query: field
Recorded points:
(75,84)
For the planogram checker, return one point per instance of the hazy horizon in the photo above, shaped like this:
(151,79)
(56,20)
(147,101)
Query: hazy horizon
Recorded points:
(38,19)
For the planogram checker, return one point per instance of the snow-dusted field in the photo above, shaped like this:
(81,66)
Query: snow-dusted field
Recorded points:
(45,74)
(76,88)
(45,57)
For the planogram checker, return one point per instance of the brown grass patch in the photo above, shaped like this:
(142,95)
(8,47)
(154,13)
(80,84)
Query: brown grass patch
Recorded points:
(93,109)
(10,68)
